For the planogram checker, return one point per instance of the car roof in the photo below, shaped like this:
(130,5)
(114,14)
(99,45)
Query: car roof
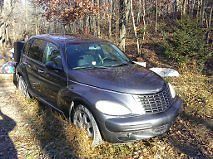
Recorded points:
(68,38)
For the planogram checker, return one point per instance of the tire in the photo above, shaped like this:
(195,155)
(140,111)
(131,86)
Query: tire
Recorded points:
(84,119)
(23,88)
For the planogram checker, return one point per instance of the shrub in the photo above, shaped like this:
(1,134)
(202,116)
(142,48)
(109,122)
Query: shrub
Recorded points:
(187,43)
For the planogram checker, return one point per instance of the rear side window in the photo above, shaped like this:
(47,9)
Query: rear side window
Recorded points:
(36,50)
(27,46)
(51,51)
(52,54)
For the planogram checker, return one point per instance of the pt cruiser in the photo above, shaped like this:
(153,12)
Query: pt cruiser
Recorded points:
(97,87)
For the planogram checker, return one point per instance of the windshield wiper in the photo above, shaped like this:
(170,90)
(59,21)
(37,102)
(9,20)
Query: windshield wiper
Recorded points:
(89,67)
(118,65)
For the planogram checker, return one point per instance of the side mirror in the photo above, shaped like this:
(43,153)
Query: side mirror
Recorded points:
(53,66)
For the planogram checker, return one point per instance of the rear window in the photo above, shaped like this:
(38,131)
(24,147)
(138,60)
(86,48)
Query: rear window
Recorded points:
(36,50)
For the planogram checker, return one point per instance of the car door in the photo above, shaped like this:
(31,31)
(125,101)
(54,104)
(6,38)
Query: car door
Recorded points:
(55,77)
(34,65)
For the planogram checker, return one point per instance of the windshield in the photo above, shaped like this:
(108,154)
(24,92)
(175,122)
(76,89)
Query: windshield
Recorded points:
(94,55)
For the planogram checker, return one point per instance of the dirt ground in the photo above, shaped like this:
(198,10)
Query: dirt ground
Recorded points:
(13,127)
(30,135)
(7,124)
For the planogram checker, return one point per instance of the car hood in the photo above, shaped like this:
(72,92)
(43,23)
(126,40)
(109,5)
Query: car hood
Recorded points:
(131,79)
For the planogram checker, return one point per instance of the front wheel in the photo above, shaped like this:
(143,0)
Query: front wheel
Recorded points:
(22,86)
(84,119)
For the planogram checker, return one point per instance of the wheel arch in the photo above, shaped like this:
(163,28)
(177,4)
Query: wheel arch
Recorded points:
(77,101)
(98,134)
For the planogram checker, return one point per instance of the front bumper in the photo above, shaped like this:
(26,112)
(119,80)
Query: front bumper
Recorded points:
(140,127)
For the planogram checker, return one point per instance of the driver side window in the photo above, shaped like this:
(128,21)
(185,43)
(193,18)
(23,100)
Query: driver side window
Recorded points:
(52,54)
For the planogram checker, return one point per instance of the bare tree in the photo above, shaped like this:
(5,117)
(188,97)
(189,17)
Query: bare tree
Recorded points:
(144,20)
(122,23)
(134,27)
(156,15)
(98,19)
(7,8)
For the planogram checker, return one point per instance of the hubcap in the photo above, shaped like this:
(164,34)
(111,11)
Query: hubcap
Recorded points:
(81,120)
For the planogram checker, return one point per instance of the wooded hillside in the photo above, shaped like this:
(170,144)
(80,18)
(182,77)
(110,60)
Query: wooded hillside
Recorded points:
(181,30)
(116,20)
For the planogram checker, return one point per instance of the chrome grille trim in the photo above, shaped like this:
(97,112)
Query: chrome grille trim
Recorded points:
(156,103)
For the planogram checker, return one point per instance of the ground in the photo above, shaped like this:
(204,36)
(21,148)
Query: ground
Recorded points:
(13,126)
(29,130)
(17,139)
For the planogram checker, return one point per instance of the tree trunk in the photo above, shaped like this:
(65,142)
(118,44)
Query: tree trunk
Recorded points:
(176,6)
(128,8)
(184,5)
(210,16)
(210,20)
(156,16)
(7,33)
(98,19)
(117,28)
(122,23)
(202,10)
(110,20)
(144,20)
(37,22)
(94,26)
(192,8)
(86,29)
(14,33)
(139,12)
(26,15)
(134,27)
(110,25)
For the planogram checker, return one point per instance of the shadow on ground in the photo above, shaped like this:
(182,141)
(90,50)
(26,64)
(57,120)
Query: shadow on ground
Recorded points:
(208,123)
(185,136)
(7,148)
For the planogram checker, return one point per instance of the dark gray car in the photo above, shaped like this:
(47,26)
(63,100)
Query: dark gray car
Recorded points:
(97,87)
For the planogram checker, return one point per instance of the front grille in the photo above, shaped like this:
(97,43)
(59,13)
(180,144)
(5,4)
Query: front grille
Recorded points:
(156,103)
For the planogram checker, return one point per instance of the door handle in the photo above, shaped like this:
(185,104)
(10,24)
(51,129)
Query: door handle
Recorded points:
(40,71)
(27,64)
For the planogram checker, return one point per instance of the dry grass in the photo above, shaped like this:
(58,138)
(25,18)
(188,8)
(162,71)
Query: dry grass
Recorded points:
(196,90)
(56,137)
(190,136)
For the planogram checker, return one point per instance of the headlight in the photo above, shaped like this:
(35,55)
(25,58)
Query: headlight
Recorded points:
(172,90)
(111,108)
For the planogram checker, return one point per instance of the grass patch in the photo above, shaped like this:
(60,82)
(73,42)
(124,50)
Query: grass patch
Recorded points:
(196,90)
(57,138)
